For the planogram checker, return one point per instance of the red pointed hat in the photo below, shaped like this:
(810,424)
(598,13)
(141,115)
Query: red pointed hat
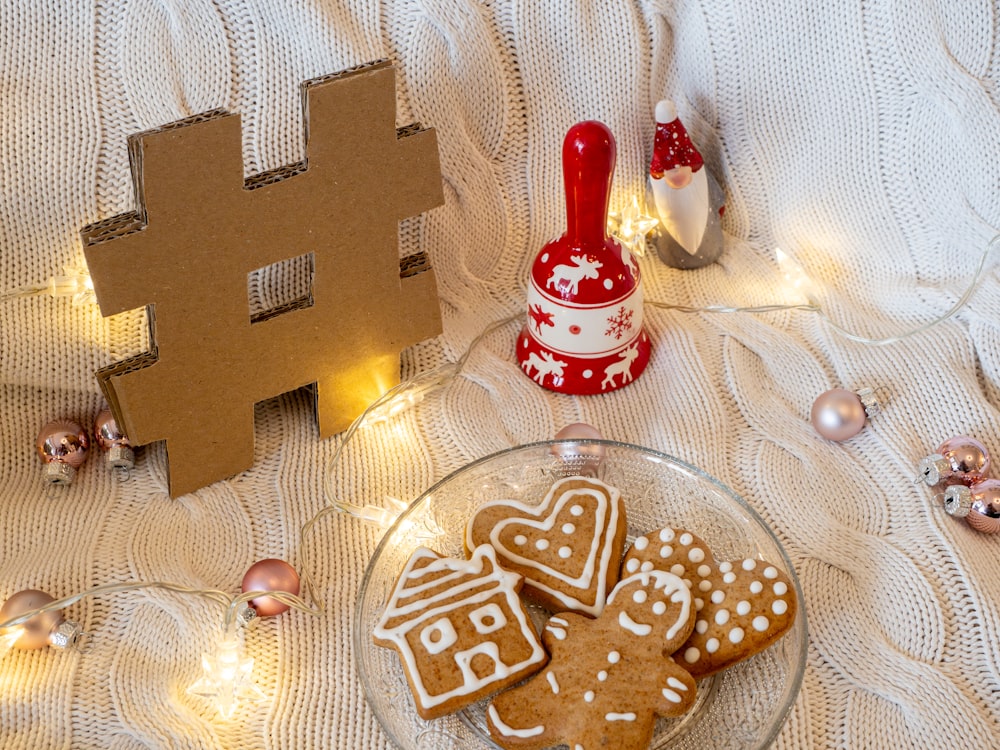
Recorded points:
(672,146)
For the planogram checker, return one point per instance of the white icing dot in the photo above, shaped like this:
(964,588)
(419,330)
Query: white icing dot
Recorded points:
(542,544)
(686,539)
(729,577)
(699,604)
(602,676)
(520,540)
(677,569)
(760,623)
(641,543)
(696,555)
(565,552)
(736,635)
(659,607)
(666,550)
(666,535)
(756,587)
(779,606)
(608,283)
(704,571)
(568,528)
(749,564)
(646,566)
(770,572)
(712,645)
(544,258)
(639,596)
(718,596)
(589,696)
(705,586)
(691,655)
(722,617)
(576,510)
(671,696)
(781,588)
(632,565)
(614,657)
(587,374)
(743,607)
(701,627)
(725,567)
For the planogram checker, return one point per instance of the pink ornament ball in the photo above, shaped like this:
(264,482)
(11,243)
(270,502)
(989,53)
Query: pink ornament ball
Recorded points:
(113,441)
(588,457)
(37,629)
(968,459)
(979,504)
(62,447)
(270,574)
(838,414)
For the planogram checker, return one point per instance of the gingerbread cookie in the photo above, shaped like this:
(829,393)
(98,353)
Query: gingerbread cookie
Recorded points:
(460,629)
(608,678)
(742,607)
(568,548)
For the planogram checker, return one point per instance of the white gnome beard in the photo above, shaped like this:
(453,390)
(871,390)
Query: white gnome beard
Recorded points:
(683,212)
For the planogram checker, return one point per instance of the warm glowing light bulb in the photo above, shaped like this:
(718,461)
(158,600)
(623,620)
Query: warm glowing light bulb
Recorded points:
(631,225)
(8,636)
(227,678)
(795,276)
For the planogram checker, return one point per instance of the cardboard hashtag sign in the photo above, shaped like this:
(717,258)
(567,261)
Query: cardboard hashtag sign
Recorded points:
(201,229)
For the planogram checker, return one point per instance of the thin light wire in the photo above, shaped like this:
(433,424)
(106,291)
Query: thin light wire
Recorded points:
(839,329)
(230,603)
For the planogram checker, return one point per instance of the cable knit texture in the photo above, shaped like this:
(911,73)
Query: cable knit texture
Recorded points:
(863,138)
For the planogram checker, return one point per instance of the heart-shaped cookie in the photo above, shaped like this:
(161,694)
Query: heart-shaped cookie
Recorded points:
(741,607)
(568,547)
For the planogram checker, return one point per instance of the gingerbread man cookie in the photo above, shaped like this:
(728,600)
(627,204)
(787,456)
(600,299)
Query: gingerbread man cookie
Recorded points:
(608,678)
(742,607)
(568,548)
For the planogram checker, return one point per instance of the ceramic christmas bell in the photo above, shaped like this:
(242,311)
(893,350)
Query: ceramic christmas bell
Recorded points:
(688,201)
(584,333)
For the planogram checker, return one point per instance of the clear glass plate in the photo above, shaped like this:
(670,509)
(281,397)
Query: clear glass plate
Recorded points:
(742,707)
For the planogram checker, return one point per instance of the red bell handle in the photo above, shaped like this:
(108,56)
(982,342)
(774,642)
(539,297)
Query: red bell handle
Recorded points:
(588,156)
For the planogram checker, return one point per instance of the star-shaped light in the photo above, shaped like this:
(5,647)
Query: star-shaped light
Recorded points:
(227,678)
(631,225)
(795,276)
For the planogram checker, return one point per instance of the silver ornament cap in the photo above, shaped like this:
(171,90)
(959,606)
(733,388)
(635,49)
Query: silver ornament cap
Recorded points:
(958,501)
(932,468)
(66,635)
(870,402)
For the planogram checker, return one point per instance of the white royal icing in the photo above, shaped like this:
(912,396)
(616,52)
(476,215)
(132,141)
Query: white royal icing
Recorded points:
(433,589)
(552,682)
(760,623)
(614,716)
(595,556)
(671,695)
(508,731)
(779,606)
(637,628)
(589,696)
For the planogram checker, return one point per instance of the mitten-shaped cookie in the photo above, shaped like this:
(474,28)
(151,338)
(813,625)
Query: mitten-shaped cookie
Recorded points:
(607,679)
(568,547)
(742,607)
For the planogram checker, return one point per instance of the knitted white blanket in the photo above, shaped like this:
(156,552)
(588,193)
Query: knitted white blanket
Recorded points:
(862,138)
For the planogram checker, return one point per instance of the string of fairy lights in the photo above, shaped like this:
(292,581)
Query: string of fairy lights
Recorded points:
(33,619)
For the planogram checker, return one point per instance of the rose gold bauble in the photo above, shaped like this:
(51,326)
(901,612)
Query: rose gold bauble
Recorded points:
(838,414)
(979,504)
(958,459)
(62,447)
(113,441)
(585,459)
(37,629)
(271,574)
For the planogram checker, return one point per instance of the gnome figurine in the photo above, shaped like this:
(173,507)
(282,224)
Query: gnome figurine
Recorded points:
(688,200)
